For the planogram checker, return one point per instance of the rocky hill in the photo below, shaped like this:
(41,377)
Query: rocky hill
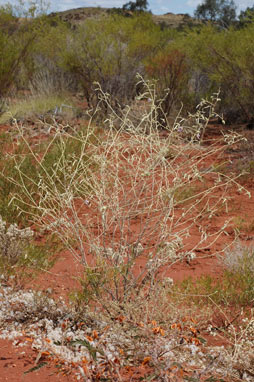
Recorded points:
(78,15)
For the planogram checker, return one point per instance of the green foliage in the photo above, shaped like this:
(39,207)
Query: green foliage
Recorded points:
(8,22)
(222,12)
(246,17)
(49,38)
(42,52)
(20,44)
(13,52)
(111,51)
(137,6)
(8,211)
(35,368)
(24,162)
(222,60)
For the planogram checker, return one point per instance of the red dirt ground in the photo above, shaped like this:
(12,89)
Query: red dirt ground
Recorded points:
(14,360)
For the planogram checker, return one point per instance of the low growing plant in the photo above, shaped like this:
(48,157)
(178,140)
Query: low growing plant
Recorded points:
(37,107)
(20,257)
(238,262)
(234,287)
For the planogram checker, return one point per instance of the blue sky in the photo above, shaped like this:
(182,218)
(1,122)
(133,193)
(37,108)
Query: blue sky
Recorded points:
(157,6)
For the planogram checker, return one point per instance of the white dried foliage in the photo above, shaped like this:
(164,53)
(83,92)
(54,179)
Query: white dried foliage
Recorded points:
(51,326)
(238,258)
(13,241)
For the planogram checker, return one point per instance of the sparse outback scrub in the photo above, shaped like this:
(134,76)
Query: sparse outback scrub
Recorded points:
(92,197)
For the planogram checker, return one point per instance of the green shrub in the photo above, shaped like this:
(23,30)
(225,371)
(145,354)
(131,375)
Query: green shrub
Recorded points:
(20,44)
(222,60)
(13,53)
(111,51)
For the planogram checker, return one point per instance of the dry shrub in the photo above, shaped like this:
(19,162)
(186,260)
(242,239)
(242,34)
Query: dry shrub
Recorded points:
(118,204)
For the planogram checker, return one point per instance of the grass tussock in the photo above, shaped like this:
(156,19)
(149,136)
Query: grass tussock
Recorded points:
(234,287)
(38,107)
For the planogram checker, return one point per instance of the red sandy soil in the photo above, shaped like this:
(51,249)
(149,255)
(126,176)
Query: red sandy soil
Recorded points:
(14,360)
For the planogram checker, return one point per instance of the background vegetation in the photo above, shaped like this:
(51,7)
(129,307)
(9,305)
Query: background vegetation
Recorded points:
(45,54)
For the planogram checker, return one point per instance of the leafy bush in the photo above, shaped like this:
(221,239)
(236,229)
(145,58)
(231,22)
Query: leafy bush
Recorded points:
(222,60)
(44,74)
(19,44)
(111,51)
(246,17)
(222,12)
(13,53)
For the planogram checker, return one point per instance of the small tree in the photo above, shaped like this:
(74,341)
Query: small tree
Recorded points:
(169,70)
(246,17)
(138,5)
(111,51)
(15,45)
(221,11)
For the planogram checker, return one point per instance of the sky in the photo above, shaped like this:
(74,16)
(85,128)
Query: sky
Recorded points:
(158,7)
